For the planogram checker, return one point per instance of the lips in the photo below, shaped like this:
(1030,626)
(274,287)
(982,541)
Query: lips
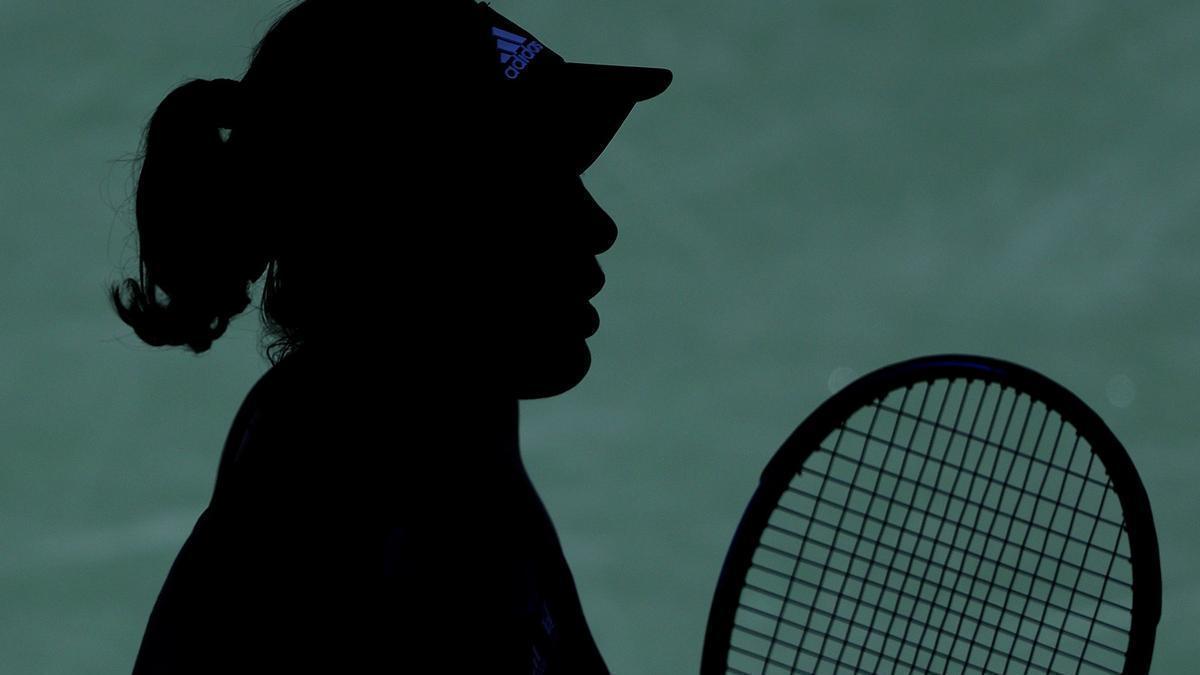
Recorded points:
(595,284)
(591,320)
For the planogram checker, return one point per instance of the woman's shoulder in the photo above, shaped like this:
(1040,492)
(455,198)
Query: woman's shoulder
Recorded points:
(274,415)
(246,429)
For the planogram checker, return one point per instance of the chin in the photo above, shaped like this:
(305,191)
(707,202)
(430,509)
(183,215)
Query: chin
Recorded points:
(551,372)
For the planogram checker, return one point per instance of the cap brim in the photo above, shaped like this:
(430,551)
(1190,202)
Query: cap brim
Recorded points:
(635,82)
(596,100)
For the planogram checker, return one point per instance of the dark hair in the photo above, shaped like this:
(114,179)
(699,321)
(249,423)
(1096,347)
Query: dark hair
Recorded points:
(214,211)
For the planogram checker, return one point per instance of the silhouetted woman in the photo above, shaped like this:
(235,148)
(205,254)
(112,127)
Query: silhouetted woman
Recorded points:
(407,176)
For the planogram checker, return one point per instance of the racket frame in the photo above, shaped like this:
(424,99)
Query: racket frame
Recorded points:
(873,388)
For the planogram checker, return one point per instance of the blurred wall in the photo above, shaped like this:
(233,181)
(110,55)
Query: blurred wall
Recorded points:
(827,187)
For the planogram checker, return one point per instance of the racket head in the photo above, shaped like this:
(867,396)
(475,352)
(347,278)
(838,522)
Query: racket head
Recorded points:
(1136,538)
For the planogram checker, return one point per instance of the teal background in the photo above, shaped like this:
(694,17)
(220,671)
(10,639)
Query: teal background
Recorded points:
(827,187)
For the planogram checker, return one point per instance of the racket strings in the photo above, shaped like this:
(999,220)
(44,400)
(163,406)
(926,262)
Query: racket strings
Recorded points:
(1046,530)
(852,623)
(970,437)
(964,552)
(825,594)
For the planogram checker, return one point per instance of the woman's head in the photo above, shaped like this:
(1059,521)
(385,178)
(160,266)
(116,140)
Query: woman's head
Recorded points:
(285,172)
(364,174)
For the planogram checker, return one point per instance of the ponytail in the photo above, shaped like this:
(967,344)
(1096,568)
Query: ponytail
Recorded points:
(200,242)
(316,131)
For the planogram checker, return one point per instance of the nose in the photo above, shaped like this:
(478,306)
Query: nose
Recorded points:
(598,225)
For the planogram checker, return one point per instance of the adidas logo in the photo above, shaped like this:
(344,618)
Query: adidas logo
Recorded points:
(515,51)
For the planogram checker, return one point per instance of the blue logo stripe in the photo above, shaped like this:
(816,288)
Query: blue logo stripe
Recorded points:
(508,46)
(511,37)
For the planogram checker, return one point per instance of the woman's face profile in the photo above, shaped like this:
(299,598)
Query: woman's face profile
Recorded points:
(542,272)
(501,292)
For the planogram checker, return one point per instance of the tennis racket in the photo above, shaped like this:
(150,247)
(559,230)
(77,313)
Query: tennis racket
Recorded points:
(948,514)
